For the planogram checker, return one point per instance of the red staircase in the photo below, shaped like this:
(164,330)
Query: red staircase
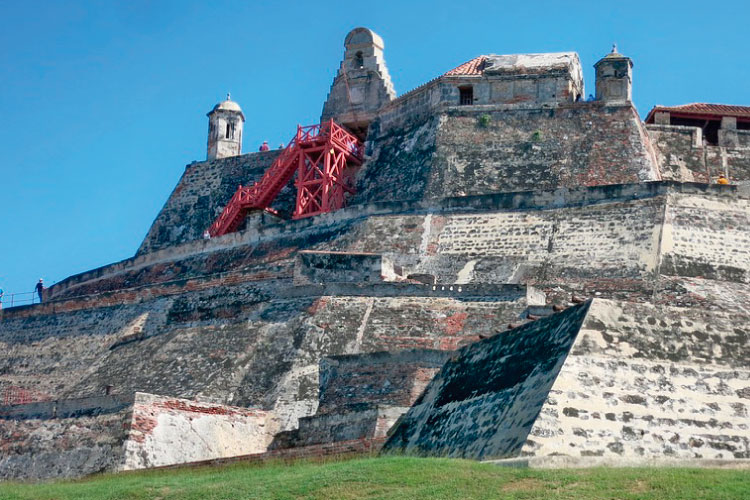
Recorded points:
(321,155)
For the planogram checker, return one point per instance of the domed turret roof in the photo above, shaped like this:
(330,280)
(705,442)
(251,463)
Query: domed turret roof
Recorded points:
(228,105)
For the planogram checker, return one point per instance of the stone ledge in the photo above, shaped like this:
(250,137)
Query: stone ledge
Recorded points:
(567,462)
(67,408)
(495,292)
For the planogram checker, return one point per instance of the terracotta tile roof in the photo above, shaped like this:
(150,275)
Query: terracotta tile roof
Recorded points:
(473,67)
(702,108)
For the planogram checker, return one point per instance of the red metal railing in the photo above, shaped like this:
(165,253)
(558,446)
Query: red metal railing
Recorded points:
(320,155)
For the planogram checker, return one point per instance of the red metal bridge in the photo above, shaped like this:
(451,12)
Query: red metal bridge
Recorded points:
(321,155)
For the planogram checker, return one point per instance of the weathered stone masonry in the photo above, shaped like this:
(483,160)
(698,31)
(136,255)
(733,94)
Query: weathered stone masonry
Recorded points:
(443,310)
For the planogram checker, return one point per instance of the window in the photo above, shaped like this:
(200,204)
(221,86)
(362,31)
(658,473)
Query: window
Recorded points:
(359,60)
(466,97)
(229,134)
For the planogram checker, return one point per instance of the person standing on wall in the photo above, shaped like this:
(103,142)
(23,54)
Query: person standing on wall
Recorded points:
(1,297)
(39,289)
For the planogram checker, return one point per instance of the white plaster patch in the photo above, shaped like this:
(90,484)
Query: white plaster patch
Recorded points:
(357,347)
(189,431)
(426,230)
(466,273)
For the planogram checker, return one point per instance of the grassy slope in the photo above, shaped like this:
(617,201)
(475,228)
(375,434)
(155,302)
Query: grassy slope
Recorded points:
(396,477)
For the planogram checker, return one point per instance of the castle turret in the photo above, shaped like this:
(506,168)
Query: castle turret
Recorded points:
(614,78)
(225,130)
(362,85)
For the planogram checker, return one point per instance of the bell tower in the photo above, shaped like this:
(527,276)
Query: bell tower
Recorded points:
(225,130)
(362,85)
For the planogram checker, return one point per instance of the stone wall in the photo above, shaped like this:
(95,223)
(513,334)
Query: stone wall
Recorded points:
(683,155)
(484,400)
(621,238)
(403,232)
(732,162)
(332,267)
(202,193)
(209,337)
(362,395)
(63,438)
(213,344)
(367,422)
(77,437)
(201,320)
(680,153)
(379,378)
(399,161)
(542,149)
(706,237)
(644,382)
(166,431)
(443,154)
(477,150)
(640,382)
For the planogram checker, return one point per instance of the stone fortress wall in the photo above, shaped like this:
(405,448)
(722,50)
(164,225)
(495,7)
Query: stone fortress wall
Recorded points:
(623,382)
(476,228)
(78,436)
(683,155)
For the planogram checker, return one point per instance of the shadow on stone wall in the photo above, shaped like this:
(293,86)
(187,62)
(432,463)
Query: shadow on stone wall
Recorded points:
(484,401)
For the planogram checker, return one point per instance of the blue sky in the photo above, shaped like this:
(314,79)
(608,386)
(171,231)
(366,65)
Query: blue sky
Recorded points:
(104,103)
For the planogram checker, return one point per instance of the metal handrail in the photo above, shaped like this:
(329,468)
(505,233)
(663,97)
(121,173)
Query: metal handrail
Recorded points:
(261,193)
(19,299)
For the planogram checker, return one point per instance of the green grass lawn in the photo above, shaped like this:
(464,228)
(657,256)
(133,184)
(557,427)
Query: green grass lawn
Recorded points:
(395,477)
